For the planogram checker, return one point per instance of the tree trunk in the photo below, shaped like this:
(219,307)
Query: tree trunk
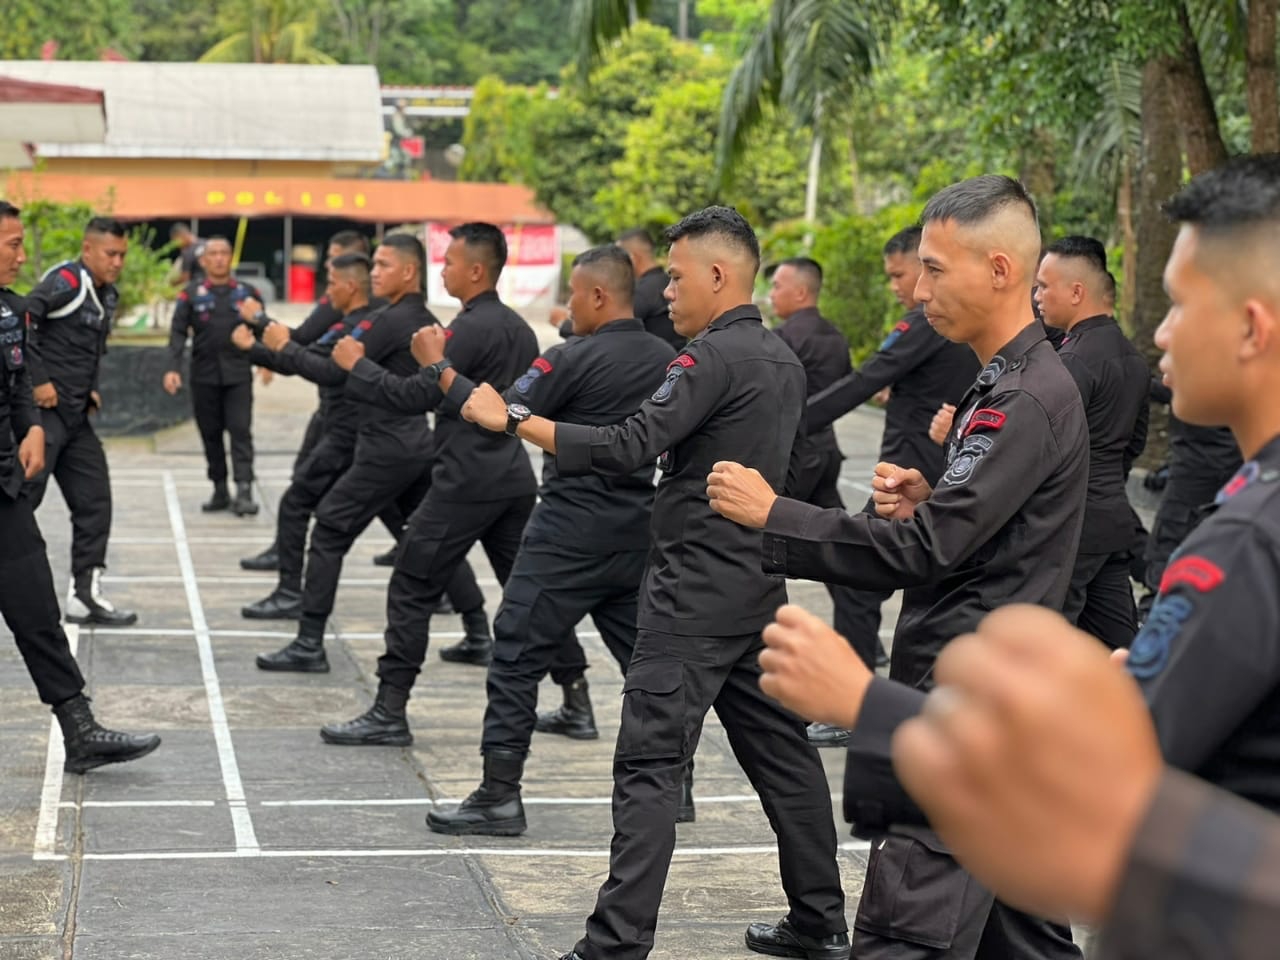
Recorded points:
(1197,116)
(1260,58)
(1039,174)
(1159,175)
(1124,213)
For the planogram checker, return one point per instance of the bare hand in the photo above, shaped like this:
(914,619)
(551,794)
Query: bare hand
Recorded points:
(31,452)
(940,426)
(242,337)
(95,400)
(558,316)
(266,375)
(811,669)
(172,382)
(740,493)
(46,396)
(882,396)
(275,336)
(1035,760)
(347,353)
(249,309)
(428,347)
(485,406)
(897,491)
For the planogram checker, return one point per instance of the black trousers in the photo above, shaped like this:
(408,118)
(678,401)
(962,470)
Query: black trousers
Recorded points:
(919,904)
(855,613)
(30,606)
(671,683)
(435,544)
(342,515)
(75,458)
(1100,598)
(225,409)
(313,477)
(548,591)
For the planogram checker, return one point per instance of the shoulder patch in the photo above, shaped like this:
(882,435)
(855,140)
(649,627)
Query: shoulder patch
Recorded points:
(992,371)
(542,364)
(899,329)
(674,372)
(1199,574)
(68,279)
(1149,652)
(960,468)
(684,360)
(1243,478)
(984,419)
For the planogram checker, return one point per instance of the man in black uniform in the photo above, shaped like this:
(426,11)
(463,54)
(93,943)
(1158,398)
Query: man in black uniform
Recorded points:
(27,599)
(1001,526)
(735,391)
(70,313)
(391,458)
(651,280)
(482,487)
(585,545)
(1074,291)
(221,376)
(186,268)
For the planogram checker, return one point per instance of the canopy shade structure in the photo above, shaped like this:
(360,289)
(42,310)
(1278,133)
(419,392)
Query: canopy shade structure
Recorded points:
(33,112)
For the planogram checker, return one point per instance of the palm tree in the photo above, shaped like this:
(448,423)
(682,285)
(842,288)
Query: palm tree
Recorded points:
(269,31)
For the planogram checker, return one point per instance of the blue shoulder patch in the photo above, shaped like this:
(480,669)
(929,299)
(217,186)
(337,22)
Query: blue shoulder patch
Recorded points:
(1149,652)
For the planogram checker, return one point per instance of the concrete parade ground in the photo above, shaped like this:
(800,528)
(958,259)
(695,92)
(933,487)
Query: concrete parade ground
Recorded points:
(244,837)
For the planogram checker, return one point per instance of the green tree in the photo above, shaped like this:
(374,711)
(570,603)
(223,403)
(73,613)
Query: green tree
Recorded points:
(83,34)
(268,31)
(496,133)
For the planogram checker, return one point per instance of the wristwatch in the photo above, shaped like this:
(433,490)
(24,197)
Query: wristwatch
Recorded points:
(517,413)
(435,370)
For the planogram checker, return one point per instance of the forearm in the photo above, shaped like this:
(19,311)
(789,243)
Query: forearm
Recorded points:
(874,800)
(539,431)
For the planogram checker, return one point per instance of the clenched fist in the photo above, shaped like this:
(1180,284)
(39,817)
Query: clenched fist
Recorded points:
(428,344)
(275,336)
(898,490)
(347,353)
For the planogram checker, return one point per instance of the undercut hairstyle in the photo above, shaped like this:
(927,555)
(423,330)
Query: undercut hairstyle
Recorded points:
(722,223)
(409,247)
(1242,193)
(104,226)
(9,211)
(974,201)
(352,240)
(485,243)
(612,266)
(217,238)
(354,265)
(1109,287)
(808,270)
(906,240)
(638,235)
(1081,248)
(179,229)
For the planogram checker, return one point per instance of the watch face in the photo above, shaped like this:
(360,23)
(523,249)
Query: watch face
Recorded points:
(519,410)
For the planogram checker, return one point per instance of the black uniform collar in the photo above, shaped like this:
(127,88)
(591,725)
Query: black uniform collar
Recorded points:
(482,297)
(748,311)
(100,287)
(621,326)
(805,313)
(1010,356)
(1264,467)
(1090,323)
(656,268)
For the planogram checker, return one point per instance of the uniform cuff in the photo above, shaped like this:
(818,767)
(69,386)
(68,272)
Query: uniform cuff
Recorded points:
(873,798)
(787,522)
(460,390)
(573,449)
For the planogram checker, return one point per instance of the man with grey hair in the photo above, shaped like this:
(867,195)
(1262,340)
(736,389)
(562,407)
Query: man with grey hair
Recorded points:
(1000,527)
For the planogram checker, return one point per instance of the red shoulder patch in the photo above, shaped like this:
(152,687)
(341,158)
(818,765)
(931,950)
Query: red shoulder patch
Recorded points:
(70,276)
(684,360)
(985,419)
(902,326)
(542,365)
(1197,573)
(448,334)
(183,296)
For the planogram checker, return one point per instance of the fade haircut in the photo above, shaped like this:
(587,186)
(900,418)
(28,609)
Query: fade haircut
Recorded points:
(974,201)
(350,240)
(104,226)
(1241,194)
(906,240)
(1078,247)
(723,223)
(354,265)
(485,243)
(808,270)
(409,247)
(612,266)
(638,235)
(217,238)
(9,211)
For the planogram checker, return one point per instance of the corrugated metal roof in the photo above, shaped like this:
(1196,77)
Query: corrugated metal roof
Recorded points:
(234,111)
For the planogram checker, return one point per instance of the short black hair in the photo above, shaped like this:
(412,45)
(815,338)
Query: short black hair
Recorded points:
(1077,247)
(906,240)
(723,222)
(1243,192)
(217,238)
(8,211)
(638,235)
(355,263)
(179,229)
(352,240)
(809,271)
(411,248)
(105,225)
(972,201)
(485,241)
(613,265)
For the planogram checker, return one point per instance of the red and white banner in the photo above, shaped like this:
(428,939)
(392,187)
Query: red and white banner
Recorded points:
(531,277)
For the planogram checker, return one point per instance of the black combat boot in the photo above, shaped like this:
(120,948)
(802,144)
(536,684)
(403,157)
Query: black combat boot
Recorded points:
(827,735)
(89,744)
(221,499)
(86,603)
(387,559)
(494,808)
(781,939)
(685,812)
(243,506)
(383,724)
(574,718)
(282,603)
(476,646)
(302,655)
(268,559)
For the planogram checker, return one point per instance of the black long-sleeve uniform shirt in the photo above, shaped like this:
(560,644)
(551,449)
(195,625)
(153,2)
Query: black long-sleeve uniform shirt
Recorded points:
(736,392)
(652,308)
(487,342)
(18,412)
(925,370)
(596,381)
(69,318)
(208,313)
(824,353)
(1114,382)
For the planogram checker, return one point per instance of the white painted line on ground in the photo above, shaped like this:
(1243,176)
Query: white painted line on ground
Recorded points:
(138,803)
(854,485)
(261,581)
(246,841)
(528,801)
(601,852)
(51,792)
(275,634)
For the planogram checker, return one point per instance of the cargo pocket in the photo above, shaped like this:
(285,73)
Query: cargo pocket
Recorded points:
(419,547)
(653,712)
(913,893)
(511,623)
